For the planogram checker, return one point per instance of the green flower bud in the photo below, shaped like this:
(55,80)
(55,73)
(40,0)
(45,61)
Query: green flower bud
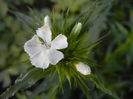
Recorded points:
(77,27)
(47,20)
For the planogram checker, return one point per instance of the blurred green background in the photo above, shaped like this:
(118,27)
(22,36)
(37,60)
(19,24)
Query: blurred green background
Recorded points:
(114,55)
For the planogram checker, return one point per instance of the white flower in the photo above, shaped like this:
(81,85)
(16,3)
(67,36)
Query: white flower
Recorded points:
(43,54)
(83,68)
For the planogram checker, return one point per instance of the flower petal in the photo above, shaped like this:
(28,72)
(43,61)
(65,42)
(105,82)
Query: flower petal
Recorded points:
(60,42)
(83,68)
(55,56)
(33,46)
(45,33)
(40,60)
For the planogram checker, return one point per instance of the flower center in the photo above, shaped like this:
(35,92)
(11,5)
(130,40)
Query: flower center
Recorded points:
(47,45)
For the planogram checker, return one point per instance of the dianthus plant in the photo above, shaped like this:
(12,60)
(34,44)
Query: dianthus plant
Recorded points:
(57,54)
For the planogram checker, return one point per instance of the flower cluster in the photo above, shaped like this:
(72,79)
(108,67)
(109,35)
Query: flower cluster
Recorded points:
(46,51)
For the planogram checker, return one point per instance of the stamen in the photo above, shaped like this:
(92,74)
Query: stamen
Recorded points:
(46,45)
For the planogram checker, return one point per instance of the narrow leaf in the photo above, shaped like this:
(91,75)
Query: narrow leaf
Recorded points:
(25,81)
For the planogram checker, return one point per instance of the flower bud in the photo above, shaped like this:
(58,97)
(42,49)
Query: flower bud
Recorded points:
(83,68)
(77,27)
(47,20)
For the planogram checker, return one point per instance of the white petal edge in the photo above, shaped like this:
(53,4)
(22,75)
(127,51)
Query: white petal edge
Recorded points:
(83,68)
(60,42)
(44,32)
(40,60)
(33,46)
(55,56)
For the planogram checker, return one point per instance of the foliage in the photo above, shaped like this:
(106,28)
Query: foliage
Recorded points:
(111,61)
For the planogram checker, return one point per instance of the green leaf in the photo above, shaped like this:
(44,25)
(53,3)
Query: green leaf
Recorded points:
(26,81)
(93,45)
(122,29)
(3,9)
(47,84)
(74,5)
(97,18)
(84,88)
(26,20)
(52,93)
(100,86)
